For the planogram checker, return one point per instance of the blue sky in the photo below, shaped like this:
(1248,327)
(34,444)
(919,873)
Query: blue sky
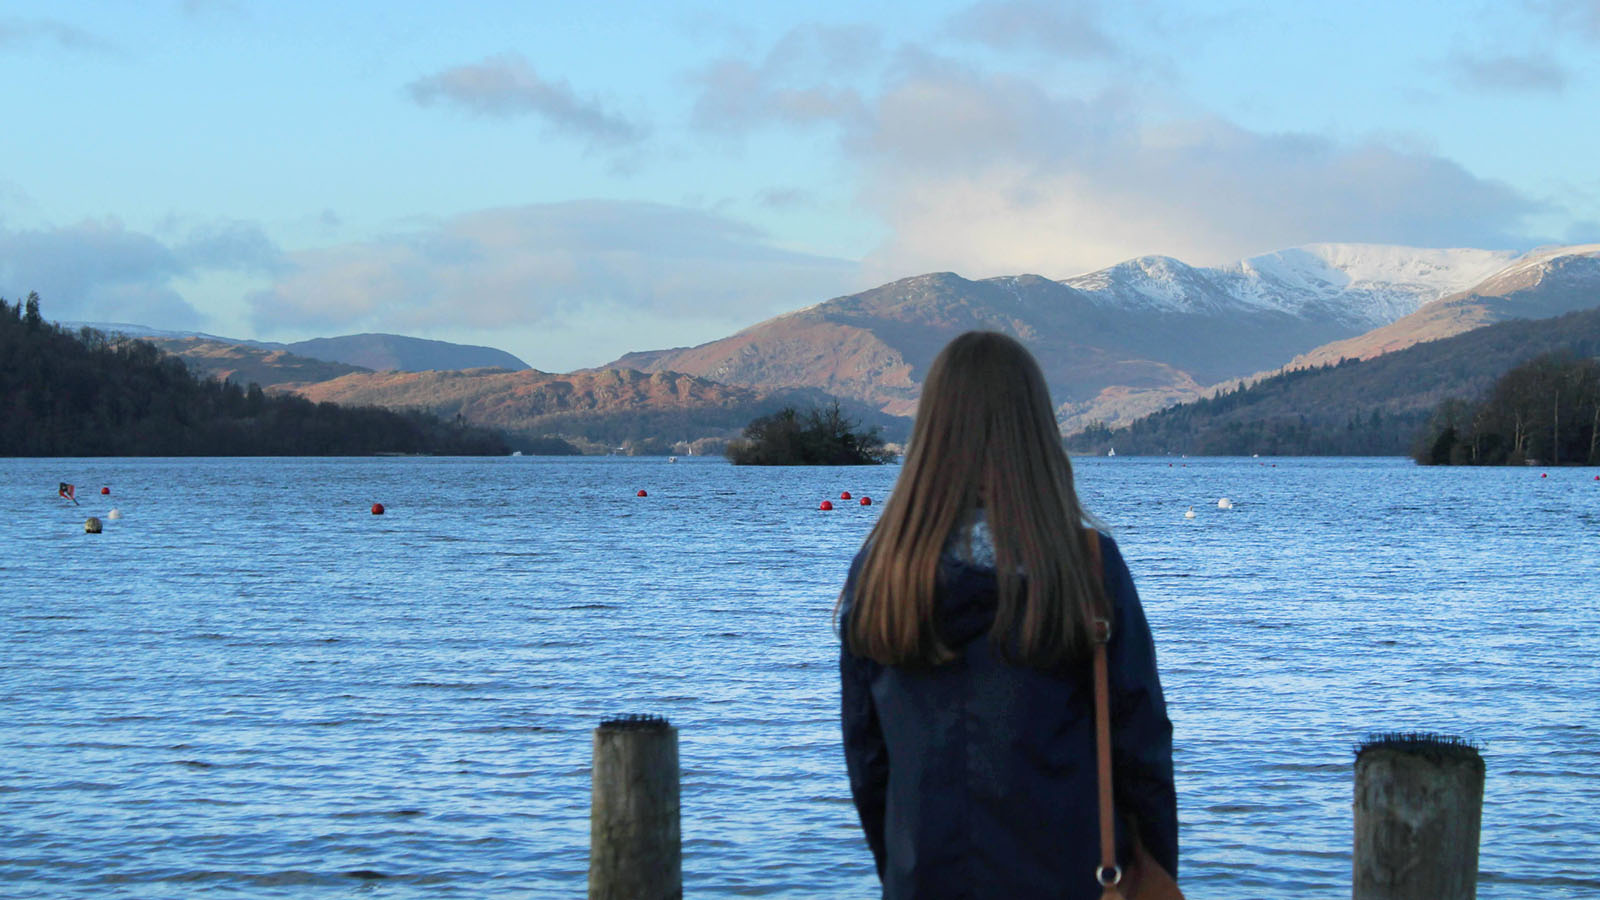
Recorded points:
(573,183)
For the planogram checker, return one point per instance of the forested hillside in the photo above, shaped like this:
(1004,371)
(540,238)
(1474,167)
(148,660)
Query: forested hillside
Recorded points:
(1379,407)
(1545,411)
(65,394)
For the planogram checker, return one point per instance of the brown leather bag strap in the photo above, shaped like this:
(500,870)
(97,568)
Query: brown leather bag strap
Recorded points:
(1108,873)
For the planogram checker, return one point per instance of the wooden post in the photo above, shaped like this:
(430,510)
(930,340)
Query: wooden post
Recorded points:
(1418,810)
(635,852)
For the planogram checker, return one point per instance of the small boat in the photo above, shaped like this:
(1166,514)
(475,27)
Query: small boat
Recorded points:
(516,453)
(1112,452)
(672,459)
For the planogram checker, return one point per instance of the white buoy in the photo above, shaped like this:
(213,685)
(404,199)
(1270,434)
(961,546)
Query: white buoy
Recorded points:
(114,514)
(1189,514)
(1224,503)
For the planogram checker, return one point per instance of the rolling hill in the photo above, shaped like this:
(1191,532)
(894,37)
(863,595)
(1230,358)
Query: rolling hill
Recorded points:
(605,407)
(245,364)
(393,352)
(373,352)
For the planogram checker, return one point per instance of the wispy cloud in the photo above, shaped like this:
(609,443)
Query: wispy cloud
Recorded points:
(1526,73)
(231,245)
(802,80)
(1068,30)
(507,85)
(32,32)
(548,264)
(200,9)
(785,198)
(1583,15)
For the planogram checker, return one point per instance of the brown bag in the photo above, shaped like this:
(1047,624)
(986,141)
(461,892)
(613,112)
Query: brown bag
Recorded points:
(1144,879)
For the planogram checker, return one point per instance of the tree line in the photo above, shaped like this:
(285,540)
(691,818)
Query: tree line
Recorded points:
(89,394)
(1545,411)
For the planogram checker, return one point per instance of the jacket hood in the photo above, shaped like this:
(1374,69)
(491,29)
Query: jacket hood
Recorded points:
(969,597)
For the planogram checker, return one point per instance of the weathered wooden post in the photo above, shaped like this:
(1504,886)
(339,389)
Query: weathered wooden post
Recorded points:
(635,852)
(1418,810)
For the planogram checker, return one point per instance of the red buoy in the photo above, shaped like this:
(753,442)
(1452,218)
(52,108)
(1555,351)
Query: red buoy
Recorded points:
(377,509)
(641,494)
(844,495)
(105,490)
(825,506)
(1544,474)
(866,501)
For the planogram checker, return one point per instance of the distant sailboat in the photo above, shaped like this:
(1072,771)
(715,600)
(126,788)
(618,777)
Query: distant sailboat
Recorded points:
(1112,452)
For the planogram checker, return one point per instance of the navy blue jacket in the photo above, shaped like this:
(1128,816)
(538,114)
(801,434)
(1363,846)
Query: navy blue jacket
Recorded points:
(977,778)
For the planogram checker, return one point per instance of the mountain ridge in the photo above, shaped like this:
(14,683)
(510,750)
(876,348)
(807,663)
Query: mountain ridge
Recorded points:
(1115,343)
(1543,283)
(1376,406)
(375,351)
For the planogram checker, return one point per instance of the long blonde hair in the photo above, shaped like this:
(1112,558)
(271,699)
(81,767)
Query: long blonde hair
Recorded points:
(985,436)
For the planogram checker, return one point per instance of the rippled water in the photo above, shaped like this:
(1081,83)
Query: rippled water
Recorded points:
(251,686)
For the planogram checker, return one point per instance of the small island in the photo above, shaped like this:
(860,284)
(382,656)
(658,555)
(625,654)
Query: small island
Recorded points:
(819,436)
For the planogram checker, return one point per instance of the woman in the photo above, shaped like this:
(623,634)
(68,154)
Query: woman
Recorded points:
(966,622)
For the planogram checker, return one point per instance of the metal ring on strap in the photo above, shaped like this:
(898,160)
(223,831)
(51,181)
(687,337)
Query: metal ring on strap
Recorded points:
(1100,875)
(1102,630)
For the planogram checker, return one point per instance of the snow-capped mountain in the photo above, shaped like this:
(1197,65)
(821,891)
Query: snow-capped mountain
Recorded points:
(1363,285)
(1131,338)
(1540,284)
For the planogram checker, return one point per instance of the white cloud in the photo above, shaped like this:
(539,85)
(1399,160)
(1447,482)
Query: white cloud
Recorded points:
(548,264)
(507,85)
(990,173)
(98,270)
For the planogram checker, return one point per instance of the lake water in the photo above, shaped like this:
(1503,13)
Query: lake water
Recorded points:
(250,686)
